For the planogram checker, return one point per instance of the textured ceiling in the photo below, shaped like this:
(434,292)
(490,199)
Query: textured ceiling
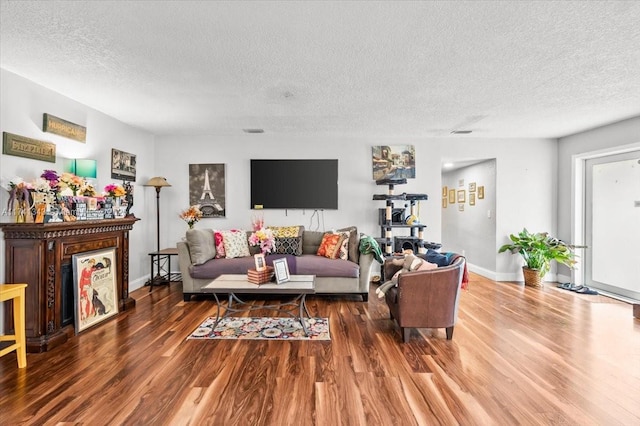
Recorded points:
(419,69)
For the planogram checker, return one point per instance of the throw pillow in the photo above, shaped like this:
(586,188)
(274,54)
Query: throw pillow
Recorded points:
(219,242)
(288,239)
(343,252)
(201,245)
(354,252)
(235,243)
(330,245)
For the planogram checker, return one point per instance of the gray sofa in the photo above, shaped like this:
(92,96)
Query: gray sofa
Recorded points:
(198,265)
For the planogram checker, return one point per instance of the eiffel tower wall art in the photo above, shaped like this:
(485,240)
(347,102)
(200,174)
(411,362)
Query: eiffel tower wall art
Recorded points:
(207,189)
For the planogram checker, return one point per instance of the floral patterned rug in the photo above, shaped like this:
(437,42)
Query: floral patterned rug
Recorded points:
(263,328)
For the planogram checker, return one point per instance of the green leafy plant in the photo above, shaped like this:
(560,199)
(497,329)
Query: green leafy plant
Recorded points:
(539,249)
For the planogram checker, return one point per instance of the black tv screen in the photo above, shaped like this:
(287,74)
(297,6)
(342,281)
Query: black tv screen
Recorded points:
(294,184)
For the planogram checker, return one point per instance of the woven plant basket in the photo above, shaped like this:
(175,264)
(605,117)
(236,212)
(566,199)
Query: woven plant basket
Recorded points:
(532,277)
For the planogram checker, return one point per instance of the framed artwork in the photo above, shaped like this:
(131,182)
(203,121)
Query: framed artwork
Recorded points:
(123,165)
(94,287)
(472,199)
(445,191)
(444,203)
(64,128)
(480,192)
(21,146)
(461,182)
(472,187)
(462,196)
(461,207)
(207,189)
(281,269)
(452,196)
(260,262)
(394,162)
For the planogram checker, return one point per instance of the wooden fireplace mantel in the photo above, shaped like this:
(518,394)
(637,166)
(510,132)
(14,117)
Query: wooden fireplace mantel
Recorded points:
(37,253)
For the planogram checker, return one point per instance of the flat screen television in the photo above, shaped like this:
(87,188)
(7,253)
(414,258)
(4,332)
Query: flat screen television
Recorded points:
(294,184)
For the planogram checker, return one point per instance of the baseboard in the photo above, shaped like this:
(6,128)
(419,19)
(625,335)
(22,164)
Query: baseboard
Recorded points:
(139,283)
(482,271)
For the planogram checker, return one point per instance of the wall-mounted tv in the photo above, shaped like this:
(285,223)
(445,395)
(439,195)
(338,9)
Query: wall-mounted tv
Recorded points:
(294,184)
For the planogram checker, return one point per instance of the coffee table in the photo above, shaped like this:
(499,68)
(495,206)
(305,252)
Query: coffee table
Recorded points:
(298,285)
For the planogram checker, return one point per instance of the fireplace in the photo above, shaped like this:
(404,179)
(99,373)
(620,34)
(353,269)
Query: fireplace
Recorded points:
(49,248)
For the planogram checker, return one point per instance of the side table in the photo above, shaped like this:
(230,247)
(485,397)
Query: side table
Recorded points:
(161,268)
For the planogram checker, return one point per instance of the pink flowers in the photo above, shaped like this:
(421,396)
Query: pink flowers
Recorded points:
(262,237)
(114,190)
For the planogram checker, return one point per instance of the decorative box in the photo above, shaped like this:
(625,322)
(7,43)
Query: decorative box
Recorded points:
(260,277)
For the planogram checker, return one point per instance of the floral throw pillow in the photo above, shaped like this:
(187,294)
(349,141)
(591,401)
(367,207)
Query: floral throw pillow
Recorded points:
(219,241)
(330,245)
(235,243)
(343,252)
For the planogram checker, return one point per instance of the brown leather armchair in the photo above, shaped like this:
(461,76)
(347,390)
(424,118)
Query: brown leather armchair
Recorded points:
(425,299)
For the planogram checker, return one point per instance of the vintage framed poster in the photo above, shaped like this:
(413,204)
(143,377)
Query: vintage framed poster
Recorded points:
(207,189)
(94,287)
(123,165)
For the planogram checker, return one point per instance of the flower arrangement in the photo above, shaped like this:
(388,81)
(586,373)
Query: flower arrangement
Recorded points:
(88,191)
(18,193)
(262,237)
(71,181)
(52,178)
(114,190)
(191,215)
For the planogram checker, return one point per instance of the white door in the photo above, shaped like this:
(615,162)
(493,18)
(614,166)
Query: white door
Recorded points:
(612,209)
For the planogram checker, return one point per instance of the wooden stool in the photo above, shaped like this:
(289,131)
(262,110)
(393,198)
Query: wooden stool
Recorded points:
(15,292)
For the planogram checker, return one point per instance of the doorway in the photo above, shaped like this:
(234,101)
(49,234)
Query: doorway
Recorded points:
(612,224)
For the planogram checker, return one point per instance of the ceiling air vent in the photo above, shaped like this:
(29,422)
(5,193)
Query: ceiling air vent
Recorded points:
(461,132)
(253,130)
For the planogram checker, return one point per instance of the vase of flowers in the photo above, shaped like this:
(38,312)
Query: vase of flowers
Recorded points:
(71,181)
(261,235)
(114,190)
(191,215)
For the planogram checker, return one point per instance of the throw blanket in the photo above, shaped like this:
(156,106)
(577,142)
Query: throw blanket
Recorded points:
(446,259)
(291,261)
(370,245)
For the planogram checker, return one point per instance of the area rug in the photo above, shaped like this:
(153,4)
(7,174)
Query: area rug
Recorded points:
(262,328)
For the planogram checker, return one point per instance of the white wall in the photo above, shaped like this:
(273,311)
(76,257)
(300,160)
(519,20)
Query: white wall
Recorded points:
(22,105)
(472,231)
(525,187)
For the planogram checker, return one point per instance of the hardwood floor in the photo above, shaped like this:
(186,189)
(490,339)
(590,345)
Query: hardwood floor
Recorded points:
(518,356)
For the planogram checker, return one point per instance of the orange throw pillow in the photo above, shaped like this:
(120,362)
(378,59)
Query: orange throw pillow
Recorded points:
(330,245)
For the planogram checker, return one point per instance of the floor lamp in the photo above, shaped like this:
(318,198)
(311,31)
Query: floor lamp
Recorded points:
(158,183)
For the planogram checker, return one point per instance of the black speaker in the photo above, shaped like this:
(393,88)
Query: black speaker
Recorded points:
(404,243)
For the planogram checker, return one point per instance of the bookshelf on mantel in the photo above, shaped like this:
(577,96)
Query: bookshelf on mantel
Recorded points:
(40,255)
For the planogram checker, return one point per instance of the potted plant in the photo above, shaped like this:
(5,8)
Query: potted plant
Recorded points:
(538,250)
